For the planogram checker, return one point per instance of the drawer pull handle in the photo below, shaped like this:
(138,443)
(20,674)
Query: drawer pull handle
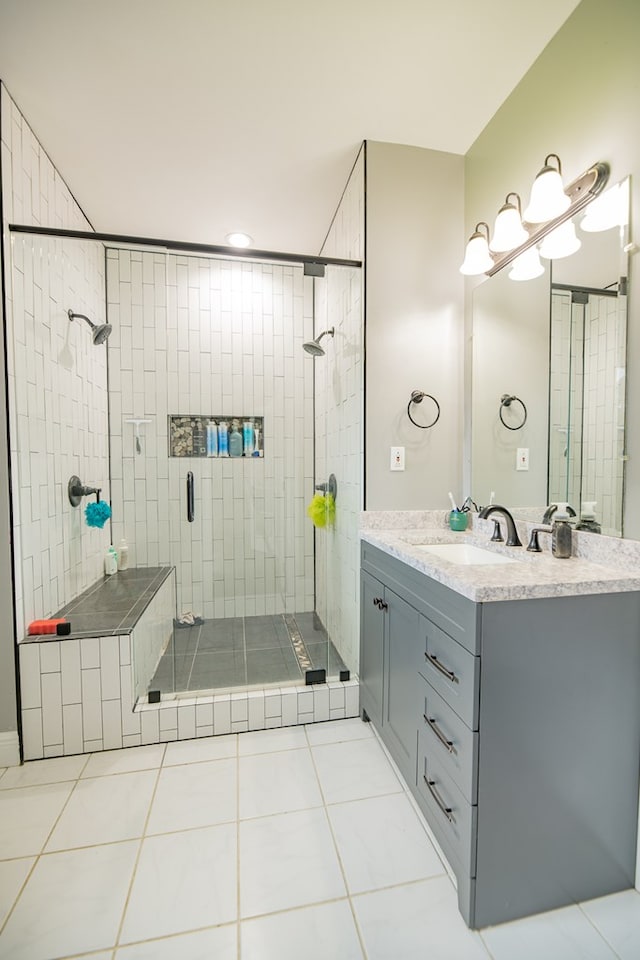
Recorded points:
(447,744)
(431,657)
(431,784)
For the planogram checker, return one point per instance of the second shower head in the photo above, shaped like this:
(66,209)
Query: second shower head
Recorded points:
(100,331)
(313,346)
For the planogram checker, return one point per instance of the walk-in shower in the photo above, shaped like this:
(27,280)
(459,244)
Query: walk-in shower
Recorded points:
(206,351)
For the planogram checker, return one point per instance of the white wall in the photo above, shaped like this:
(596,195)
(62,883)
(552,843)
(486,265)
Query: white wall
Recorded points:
(414,317)
(205,337)
(339,420)
(56,379)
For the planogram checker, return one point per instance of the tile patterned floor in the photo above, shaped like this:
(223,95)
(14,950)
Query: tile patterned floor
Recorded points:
(273,845)
(222,654)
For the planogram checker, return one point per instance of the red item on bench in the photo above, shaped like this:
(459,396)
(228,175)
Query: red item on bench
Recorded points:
(44,626)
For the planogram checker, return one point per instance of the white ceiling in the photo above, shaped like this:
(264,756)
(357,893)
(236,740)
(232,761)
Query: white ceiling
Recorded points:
(186,119)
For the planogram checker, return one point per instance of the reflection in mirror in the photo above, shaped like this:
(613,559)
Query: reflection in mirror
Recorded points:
(587,394)
(561,348)
(510,355)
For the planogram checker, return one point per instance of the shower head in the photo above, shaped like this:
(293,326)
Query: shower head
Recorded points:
(313,346)
(100,331)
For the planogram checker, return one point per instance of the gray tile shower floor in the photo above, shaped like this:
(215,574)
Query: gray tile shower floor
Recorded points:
(241,651)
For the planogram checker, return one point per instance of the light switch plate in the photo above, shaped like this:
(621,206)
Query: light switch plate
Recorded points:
(522,458)
(397,458)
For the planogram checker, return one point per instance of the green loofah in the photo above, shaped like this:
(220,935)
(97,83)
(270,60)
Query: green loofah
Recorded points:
(322,510)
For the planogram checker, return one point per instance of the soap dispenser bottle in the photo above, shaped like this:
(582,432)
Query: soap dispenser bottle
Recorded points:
(561,533)
(588,520)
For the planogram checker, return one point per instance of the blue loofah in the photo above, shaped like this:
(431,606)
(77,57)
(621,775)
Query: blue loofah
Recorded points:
(97,514)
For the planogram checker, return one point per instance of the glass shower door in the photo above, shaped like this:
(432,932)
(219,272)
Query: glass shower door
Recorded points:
(211,363)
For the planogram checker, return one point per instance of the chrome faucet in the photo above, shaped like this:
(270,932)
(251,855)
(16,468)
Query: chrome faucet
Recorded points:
(513,540)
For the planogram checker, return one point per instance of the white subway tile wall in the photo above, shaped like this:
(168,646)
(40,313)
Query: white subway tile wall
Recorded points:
(339,399)
(57,378)
(211,337)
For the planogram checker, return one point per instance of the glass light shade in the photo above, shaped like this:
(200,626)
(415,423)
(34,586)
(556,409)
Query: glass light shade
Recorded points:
(561,242)
(608,210)
(548,199)
(508,232)
(477,258)
(527,266)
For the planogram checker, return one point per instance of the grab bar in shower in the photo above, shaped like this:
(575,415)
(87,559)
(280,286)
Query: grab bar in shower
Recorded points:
(190,498)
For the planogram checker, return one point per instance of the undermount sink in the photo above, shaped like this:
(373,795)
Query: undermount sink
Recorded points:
(465,553)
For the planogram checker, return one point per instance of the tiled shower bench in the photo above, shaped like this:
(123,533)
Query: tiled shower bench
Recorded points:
(88,691)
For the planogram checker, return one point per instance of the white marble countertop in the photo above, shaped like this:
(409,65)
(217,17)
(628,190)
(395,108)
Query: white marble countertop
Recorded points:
(599,564)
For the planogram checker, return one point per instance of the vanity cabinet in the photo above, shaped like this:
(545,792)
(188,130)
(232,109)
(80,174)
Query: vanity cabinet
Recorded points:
(388,694)
(516,724)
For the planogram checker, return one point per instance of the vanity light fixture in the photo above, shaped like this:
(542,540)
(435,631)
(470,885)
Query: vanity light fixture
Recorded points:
(239,239)
(548,199)
(561,242)
(527,266)
(508,231)
(481,256)
(477,258)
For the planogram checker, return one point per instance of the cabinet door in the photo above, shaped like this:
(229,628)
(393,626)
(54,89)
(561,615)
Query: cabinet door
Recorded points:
(372,624)
(403,703)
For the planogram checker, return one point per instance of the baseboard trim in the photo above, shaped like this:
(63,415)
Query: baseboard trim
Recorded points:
(9,749)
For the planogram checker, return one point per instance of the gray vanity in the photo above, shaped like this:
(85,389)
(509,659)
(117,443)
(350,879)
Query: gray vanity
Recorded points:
(510,701)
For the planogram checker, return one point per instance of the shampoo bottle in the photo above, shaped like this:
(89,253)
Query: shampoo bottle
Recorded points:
(223,439)
(123,555)
(235,441)
(110,561)
(212,439)
(248,438)
(561,533)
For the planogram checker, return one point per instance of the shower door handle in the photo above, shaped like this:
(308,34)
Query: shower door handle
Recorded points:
(190,498)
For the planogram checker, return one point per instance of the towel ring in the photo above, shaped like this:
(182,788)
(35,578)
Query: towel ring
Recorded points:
(506,401)
(417,396)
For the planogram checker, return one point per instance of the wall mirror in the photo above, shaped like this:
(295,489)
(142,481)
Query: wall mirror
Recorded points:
(558,344)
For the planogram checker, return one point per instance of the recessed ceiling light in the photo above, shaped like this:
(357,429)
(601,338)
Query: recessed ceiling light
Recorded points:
(239,239)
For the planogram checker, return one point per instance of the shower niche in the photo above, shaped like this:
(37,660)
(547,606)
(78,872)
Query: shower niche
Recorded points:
(215,435)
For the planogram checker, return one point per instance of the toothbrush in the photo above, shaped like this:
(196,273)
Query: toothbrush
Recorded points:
(453,503)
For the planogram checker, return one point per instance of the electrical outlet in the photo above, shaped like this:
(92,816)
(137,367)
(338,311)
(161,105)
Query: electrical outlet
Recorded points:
(397,458)
(522,458)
